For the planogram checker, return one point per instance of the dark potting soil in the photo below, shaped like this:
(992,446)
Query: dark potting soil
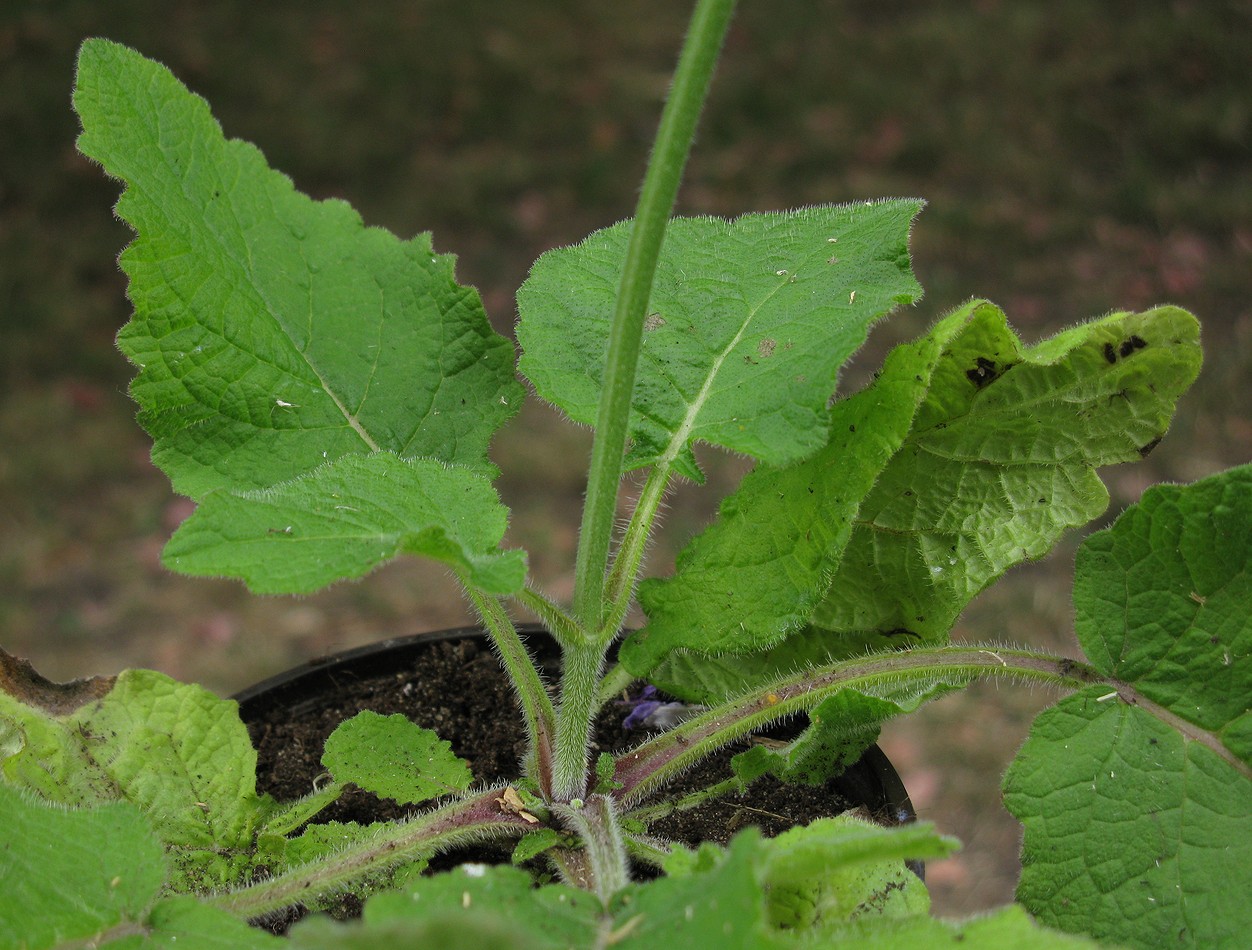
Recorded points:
(460,691)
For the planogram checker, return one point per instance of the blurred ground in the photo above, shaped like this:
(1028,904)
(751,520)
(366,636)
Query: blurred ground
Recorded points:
(1078,156)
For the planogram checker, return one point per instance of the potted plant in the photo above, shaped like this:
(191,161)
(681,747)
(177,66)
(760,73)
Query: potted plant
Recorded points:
(326,394)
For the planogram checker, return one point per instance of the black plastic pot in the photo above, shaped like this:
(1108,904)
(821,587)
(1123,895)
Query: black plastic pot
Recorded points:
(385,676)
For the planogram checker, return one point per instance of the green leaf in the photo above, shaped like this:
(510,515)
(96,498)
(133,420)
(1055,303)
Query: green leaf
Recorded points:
(1134,833)
(836,870)
(39,751)
(718,903)
(842,882)
(968,455)
(1164,602)
(72,874)
(840,729)
(1001,462)
(179,752)
(274,333)
(176,751)
(77,877)
(499,903)
(395,758)
(288,816)
(768,559)
(1010,927)
(180,922)
(535,843)
(1137,813)
(750,321)
(450,932)
(346,518)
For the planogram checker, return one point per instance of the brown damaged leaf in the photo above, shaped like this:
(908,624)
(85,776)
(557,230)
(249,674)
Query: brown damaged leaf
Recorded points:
(22,681)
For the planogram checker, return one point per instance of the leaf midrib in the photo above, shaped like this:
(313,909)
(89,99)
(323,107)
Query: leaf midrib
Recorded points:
(682,433)
(229,153)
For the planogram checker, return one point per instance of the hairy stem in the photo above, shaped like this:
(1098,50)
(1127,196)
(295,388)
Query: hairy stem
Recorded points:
(561,625)
(614,683)
(651,813)
(708,28)
(580,684)
(622,578)
(537,707)
(595,822)
(471,819)
(653,763)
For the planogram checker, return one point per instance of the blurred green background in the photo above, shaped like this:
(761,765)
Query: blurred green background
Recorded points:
(1078,157)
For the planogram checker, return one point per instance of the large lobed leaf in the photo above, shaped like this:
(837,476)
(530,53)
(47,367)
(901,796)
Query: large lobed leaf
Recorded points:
(1137,800)
(276,335)
(969,454)
(749,322)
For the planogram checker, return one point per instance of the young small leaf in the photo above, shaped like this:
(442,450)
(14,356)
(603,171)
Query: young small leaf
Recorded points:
(346,518)
(842,882)
(272,332)
(824,875)
(839,731)
(394,758)
(750,321)
(535,843)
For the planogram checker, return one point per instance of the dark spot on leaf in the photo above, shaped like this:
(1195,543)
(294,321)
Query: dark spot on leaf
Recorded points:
(984,372)
(1145,449)
(1132,344)
(851,428)
(1110,354)
(908,493)
(900,632)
